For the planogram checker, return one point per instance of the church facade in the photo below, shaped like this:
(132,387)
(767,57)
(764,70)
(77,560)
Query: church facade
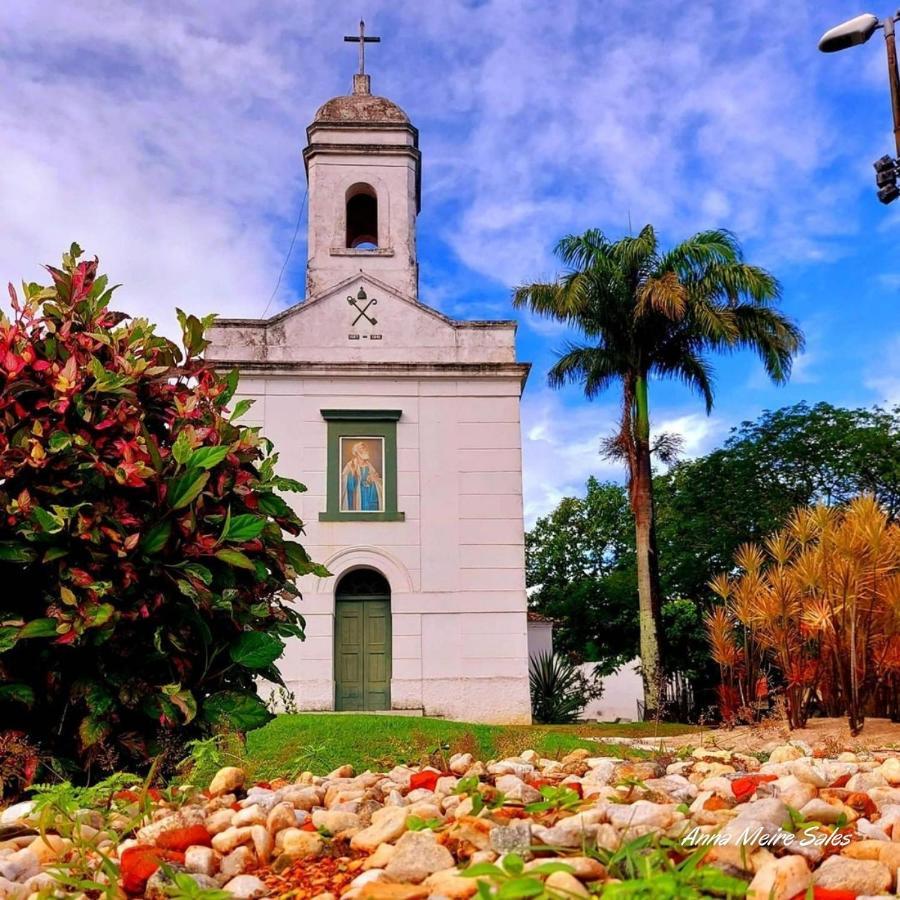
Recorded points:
(404,425)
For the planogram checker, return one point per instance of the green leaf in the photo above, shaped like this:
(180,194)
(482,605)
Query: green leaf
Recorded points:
(92,731)
(186,488)
(156,538)
(55,553)
(207,457)
(256,649)
(38,628)
(480,870)
(519,888)
(59,440)
(99,615)
(182,449)
(234,709)
(235,558)
(49,523)
(288,484)
(231,383)
(200,572)
(245,527)
(273,505)
(513,863)
(183,699)
(240,408)
(13,551)
(8,637)
(16,693)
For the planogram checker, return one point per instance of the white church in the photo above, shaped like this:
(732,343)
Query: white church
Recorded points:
(404,425)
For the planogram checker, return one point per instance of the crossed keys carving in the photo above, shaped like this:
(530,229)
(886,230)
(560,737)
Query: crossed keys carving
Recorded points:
(362,310)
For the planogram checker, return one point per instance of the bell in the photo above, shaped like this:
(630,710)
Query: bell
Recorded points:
(361,295)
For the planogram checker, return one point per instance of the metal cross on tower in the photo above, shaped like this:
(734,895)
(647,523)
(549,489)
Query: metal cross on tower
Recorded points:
(362,40)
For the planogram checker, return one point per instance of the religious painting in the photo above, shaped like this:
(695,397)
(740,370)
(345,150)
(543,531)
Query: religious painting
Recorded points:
(362,474)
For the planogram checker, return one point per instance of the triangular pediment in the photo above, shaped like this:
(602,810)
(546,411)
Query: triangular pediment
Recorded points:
(375,289)
(340,325)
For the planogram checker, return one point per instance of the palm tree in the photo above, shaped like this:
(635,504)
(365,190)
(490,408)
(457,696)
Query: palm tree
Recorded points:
(648,313)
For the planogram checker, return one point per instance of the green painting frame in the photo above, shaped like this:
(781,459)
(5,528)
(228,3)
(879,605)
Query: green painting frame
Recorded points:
(342,423)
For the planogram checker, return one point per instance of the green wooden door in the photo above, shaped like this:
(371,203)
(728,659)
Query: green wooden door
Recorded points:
(362,653)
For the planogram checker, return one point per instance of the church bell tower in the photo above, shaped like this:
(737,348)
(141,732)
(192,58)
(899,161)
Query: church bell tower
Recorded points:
(364,170)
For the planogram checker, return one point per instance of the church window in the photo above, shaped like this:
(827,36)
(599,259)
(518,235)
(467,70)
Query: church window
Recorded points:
(362,217)
(361,466)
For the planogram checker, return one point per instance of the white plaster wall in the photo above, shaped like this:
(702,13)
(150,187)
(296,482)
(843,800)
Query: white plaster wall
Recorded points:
(540,639)
(621,692)
(455,565)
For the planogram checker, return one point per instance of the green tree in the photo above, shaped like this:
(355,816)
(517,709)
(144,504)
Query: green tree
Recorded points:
(796,456)
(580,564)
(644,313)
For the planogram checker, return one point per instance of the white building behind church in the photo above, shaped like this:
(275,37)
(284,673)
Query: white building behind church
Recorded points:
(404,424)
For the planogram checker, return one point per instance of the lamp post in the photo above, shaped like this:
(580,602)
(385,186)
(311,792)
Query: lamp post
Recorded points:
(858,31)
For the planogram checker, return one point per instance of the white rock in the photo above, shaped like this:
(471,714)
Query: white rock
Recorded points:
(335,821)
(246,887)
(890,770)
(263,843)
(780,880)
(237,862)
(861,876)
(20,865)
(249,815)
(226,780)
(232,837)
(785,753)
(516,789)
(817,810)
(460,762)
(387,825)
(281,816)
(201,860)
(16,812)
(301,844)
(641,813)
(417,855)
(264,798)
(219,821)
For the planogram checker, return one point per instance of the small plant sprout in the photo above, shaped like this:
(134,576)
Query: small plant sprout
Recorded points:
(507,879)
(556,799)
(414,823)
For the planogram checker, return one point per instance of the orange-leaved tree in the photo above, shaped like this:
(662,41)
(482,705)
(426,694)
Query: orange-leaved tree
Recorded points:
(820,601)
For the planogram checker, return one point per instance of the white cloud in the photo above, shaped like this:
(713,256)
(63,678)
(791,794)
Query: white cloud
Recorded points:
(167,137)
(562,444)
(884,375)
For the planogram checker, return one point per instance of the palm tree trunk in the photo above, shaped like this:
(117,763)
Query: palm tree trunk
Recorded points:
(649,594)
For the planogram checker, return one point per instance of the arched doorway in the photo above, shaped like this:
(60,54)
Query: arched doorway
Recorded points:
(362,641)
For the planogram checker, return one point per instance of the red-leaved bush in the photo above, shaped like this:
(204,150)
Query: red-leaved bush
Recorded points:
(145,579)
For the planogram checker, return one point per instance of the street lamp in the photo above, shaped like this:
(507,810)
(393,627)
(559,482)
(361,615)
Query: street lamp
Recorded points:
(858,31)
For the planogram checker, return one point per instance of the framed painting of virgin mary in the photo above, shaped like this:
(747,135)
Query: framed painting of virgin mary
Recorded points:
(362,474)
(361,466)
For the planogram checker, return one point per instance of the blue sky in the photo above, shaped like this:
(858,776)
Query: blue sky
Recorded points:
(166,138)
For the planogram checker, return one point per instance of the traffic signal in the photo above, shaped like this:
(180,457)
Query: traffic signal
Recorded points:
(887,170)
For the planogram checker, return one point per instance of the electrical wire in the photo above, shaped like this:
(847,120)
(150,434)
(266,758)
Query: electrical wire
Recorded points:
(289,252)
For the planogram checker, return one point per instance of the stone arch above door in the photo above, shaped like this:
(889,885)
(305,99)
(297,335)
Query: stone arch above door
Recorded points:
(343,561)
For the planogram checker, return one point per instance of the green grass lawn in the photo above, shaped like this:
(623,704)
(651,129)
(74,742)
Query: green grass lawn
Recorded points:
(321,742)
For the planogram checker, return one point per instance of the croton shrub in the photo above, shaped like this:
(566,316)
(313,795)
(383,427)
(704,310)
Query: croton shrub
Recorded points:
(146,580)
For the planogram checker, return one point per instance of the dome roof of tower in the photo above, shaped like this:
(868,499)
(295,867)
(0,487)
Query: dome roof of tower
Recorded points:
(361,108)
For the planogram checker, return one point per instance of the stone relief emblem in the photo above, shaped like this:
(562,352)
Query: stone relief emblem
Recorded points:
(362,303)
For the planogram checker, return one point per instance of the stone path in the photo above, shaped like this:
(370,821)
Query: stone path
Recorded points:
(796,825)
